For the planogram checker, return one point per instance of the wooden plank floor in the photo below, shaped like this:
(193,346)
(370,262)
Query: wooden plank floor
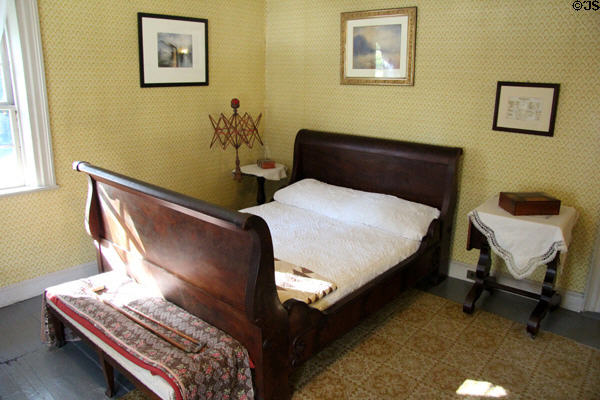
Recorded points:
(30,370)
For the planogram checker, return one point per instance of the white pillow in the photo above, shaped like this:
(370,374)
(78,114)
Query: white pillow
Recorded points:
(390,213)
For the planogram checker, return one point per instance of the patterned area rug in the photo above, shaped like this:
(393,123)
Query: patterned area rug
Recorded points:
(424,347)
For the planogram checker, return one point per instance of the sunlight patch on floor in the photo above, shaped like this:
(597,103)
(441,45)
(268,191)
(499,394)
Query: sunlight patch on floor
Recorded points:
(471,387)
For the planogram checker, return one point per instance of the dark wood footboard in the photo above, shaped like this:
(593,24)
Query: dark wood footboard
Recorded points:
(215,263)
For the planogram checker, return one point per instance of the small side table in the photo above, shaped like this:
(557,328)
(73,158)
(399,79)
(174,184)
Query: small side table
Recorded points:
(524,243)
(262,174)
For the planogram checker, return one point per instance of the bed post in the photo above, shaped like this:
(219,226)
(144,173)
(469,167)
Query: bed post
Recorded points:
(272,363)
(448,209)
(93,221)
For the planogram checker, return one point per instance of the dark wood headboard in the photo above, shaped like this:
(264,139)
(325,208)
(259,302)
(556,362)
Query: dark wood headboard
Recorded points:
(412,171)
(422,173)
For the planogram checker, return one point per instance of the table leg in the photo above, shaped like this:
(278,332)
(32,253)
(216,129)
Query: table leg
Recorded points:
(109,376)
(549,298)
(58,327)
(481,274)
(260,194)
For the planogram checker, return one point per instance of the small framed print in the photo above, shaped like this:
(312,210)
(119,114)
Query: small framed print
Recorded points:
(526,107)
(173,50)
(378,47)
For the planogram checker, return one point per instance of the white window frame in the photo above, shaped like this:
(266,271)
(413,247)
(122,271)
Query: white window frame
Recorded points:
(29,82)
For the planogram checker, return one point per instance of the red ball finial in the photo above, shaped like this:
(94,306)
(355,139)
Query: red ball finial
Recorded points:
(235,103)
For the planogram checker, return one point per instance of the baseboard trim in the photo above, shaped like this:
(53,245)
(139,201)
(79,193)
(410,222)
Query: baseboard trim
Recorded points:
(33,287)
(570,300)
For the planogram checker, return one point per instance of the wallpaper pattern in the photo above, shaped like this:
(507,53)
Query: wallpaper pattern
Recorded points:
(463,47)
(99,113)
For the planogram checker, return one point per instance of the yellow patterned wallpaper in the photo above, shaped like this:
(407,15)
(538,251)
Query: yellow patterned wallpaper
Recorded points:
(463,48)
(99,113)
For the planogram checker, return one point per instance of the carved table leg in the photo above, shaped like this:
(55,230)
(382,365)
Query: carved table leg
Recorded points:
(549,299)
(481,274)
(109,376)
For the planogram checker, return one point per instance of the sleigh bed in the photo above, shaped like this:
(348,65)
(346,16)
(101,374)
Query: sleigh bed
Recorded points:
(218,264)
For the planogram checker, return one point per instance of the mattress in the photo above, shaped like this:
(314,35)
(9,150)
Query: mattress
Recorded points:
(349,254)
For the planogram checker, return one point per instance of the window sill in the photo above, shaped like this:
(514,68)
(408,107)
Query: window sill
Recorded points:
(25,189)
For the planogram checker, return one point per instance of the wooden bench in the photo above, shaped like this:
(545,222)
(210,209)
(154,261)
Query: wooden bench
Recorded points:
(166,350)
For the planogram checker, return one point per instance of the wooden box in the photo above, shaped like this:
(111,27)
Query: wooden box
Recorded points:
(529,203)
(265,164)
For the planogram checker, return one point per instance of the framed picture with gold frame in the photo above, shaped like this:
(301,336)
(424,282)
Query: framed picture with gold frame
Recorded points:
(378,47)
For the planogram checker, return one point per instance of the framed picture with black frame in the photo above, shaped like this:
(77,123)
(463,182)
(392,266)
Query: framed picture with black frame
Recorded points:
(526,107)
(173,50)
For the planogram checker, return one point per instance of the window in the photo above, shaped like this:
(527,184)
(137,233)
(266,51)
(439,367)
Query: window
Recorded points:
(10,142)
(25,145)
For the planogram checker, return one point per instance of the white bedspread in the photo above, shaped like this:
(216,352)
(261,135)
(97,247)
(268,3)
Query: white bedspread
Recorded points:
(348,254)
